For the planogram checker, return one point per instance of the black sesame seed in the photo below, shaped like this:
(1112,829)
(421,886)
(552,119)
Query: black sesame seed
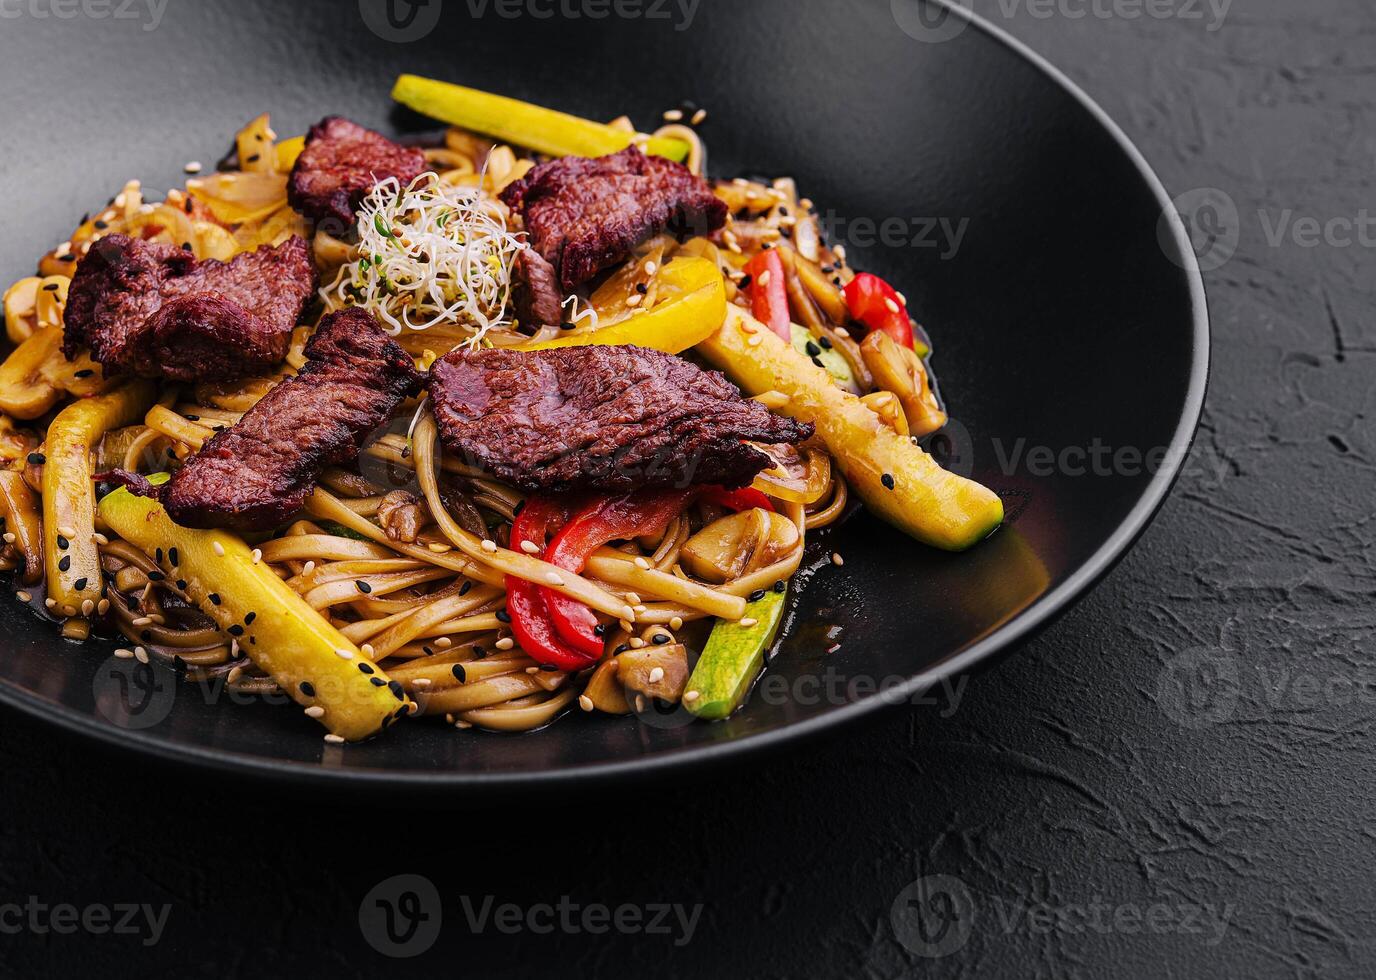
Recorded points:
(757,595)
(253,640)
(102,225)
(825,342)
(307,688)
(65,563)
(173,555)
(503,616)
(641,288)
(397,690)
(566,325)
(363,586)
(214,598)
(745,282)
(549,667)
(376,681)
(79,585)
(255,158)
(518,508)
(62,543)
(887,480)
(780,585)
(818,362)
(83,373)
(459,673)
(181,584)
(190,205)
(236,630)
(51,287)
(68,257)
(600,629)
(366,668)
(812,349)
(660,639)
(37,459)
(191,418)
(157,555)
(463,589)
(479,652)
(621,649)
(248,620)
(186,246)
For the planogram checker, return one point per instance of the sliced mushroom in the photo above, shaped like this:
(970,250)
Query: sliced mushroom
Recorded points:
(900,370)
(654,671)
(733,545)
(402,515)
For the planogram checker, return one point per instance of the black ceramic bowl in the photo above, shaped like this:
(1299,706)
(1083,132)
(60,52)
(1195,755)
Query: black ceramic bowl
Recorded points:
(1069,321)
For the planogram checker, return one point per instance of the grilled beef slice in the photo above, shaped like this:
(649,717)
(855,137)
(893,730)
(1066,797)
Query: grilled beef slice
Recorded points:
(587,215)
(535,291)
(600,417)
(341,162)
(153,310)
(258,472)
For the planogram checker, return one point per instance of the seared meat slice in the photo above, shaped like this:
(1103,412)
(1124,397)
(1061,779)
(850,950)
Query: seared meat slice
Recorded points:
(341,162)
(600,417)
(258,472)
(153,310)
(586,215)
(534,291)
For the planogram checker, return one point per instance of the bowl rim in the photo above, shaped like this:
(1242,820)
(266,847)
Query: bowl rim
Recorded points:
(1020,628)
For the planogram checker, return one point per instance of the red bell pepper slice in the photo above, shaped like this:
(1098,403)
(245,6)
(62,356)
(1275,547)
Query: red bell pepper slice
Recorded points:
(604,519)
(768,293)
(526,602)
(878,306)
(746,498)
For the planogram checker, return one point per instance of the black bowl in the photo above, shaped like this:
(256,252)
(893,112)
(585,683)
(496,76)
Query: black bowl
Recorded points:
(1068,315)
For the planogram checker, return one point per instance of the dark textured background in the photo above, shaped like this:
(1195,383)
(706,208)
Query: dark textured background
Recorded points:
(1063,779)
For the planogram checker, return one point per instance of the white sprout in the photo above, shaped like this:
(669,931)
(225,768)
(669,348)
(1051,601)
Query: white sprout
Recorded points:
(428,254)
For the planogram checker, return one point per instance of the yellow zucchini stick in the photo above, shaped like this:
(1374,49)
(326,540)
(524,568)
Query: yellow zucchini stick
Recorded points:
(287,639)
(19,507)
(512,121)
(69,503)
(894,477)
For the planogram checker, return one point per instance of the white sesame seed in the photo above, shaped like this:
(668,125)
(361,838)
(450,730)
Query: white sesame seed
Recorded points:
(9,537)
(23,596)
(69,610)
(532,670)
(676,623)
(315,711)
(234,674)
(422,682)
(585,702)
(88,607)
(748,621)
(627,612)
(143,621)
(218,548)
(66,532)
(636,643)
(641,562)
(892,306)
(634,299)
(343,654)
(554,578)
(755,340)
(257,555)
(656,675)
(192,166)
(633,598)
(124,654)
(673,115)
(334,739)
(530,547)
(836,558)
(100,539)
(640,703)
(489,545)
(505,643)
(650,268)
(368,651)
(842,332)
(103,606)
(307,568)
(463,724)
(690,696)
(840,251)
(698,117)
(141,655)
(50,602)
(763,278)
(439,548)
(902,299)
(444,643)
